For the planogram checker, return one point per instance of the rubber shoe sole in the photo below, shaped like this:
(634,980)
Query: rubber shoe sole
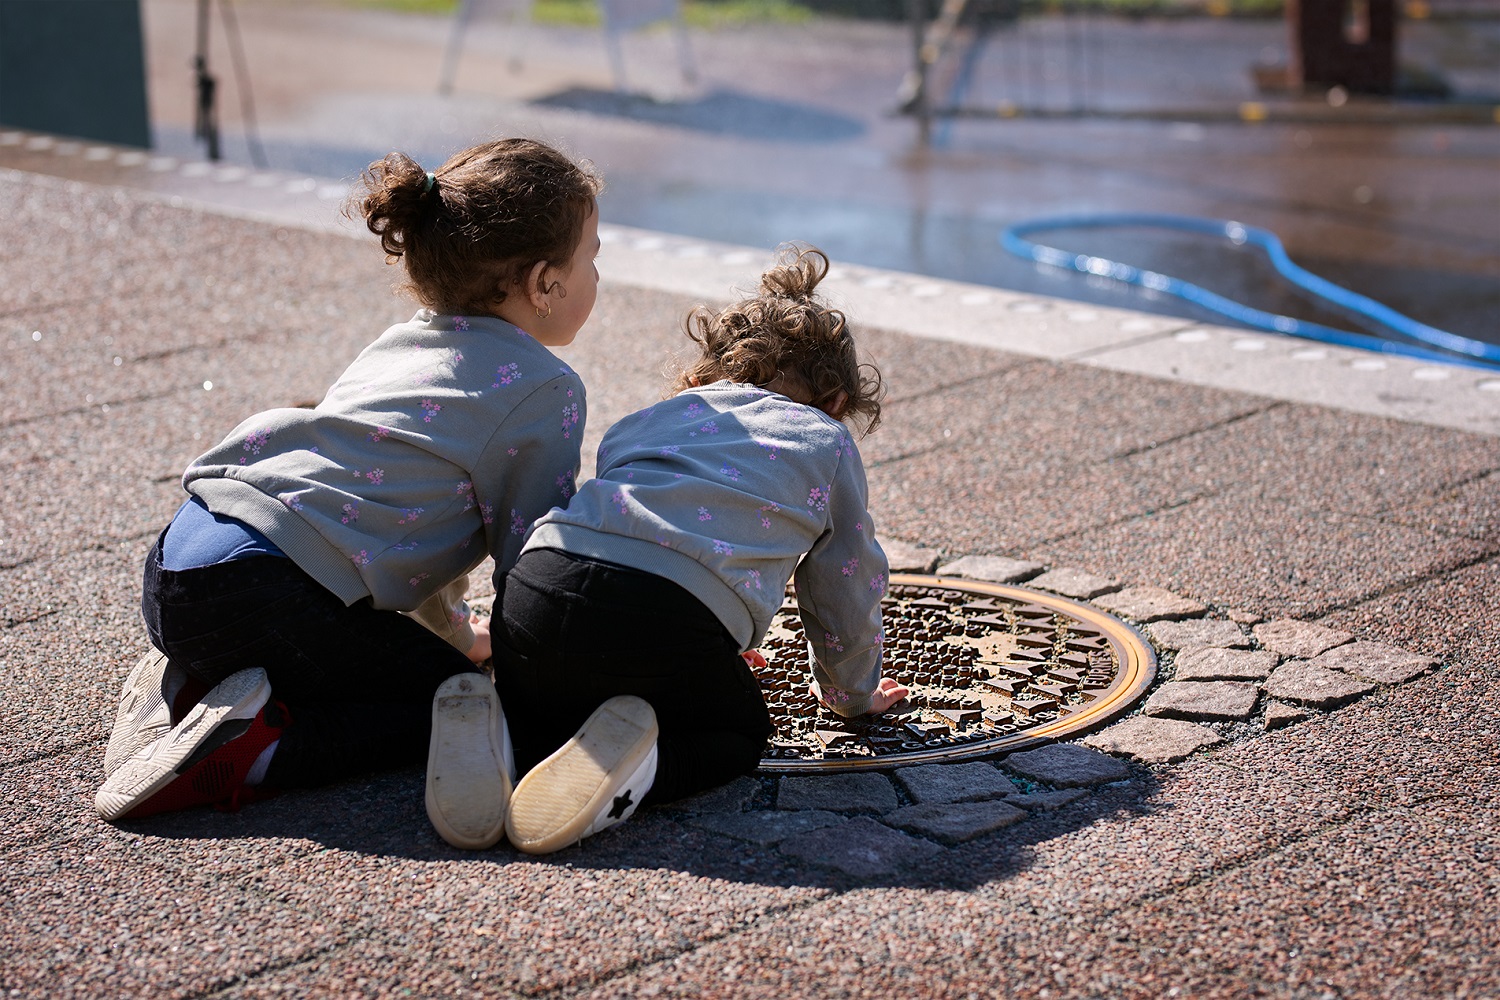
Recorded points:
(239,697)
(595,780)
(469,764)
(145,712)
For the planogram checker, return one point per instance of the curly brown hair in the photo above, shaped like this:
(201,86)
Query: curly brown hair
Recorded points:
(787,340)
(485,218)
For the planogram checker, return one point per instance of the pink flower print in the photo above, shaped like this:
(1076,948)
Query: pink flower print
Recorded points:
(832,642)
(487,513)
(517,523)
(513,452)
(859,526)
(361,558)
(731,472)
(430,410)
(417,580)
(768,509)
(466,490)
(709,428)
(670,450)
(565,484)
(457,617)
(691,412)
(851,566)
(723,548)
(380,434)
(255,442)
(458,356)
(570,391)
(351,514)
(772,450)
(505,375)
(877,583)
(619,498)
(569,419)
(376,476)
(460,324)
(704,515)
(292,501)
(752,579)
(410,516)
(408,547)
(817,498)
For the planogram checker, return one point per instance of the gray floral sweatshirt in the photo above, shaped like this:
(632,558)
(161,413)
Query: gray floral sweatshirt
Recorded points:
(441,444)
(729,491)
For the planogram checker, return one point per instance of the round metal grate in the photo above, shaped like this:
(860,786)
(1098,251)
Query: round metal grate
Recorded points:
(991,668)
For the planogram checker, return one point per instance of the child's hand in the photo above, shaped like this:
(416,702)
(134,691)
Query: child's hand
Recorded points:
(887,694)
(482,648)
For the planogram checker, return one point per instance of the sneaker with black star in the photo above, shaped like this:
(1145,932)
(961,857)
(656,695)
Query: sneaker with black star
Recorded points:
(594,781)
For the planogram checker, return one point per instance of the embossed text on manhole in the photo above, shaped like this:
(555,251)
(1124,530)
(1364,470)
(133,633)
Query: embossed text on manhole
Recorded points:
(991,668)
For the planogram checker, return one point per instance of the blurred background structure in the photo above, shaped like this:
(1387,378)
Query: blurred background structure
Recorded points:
(902,134)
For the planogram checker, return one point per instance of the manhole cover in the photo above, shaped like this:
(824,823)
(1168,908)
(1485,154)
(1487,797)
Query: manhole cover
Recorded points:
(991,668)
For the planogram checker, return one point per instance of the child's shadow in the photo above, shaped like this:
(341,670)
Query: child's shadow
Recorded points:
(384,816)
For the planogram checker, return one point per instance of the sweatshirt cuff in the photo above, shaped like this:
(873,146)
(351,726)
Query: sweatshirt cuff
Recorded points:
(847,704)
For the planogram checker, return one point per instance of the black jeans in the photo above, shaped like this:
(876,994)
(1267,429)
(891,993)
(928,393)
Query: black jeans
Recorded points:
(357,682)
(572,632)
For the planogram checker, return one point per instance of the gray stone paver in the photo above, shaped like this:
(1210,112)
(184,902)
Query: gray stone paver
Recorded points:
(1200,632)
(962,782)
(1279,715)
(862,847)
(731,798)
(852,792)
(767,827)
(991,569)
(1066,765)
(905,557)
(1305,683)
(955,822)
(1154,741)
(1150,604)
(1203,700)
(1302,640)
(1047,801)
(1219,664)
(1076,583)
(1376,661)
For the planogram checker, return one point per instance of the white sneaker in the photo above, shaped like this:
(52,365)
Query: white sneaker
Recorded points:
(595,780)
(470,766)
(145,712)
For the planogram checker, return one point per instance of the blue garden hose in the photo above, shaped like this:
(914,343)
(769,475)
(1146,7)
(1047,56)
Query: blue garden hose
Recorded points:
(1432,344)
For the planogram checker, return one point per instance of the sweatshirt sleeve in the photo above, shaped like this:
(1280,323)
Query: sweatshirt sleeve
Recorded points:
(446,614)
(840,582)
(530,466)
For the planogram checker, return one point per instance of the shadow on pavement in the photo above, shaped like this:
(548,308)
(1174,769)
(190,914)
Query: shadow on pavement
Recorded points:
(384,816)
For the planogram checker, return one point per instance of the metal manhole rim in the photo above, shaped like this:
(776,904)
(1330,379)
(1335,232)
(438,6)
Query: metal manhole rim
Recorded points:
(1137,666)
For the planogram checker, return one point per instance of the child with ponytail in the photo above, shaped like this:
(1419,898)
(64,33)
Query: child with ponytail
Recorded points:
(306,602)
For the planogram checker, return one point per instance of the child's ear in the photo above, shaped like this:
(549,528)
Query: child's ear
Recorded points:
(837,406)
(535,289)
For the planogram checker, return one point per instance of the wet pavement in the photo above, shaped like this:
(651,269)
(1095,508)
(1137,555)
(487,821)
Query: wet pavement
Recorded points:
(789,133)
(1320,532)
